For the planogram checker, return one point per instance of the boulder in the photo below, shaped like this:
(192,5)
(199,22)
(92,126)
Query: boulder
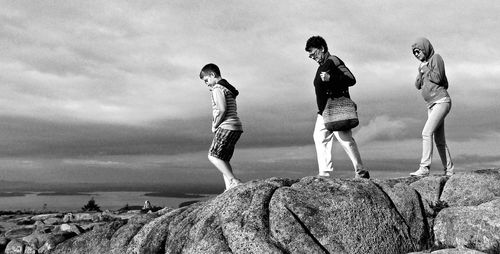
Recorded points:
(39,224)
(3,243)
(54,239)
(20,232)
(472,188)
(26,220)
(470,226)
(30,250)
(410,206)
(14,247)
(430,188)
(279,215)
(337,216)
(235,221)
(124,235)
(35,240)
(81,217)
(95,241)
(71,228)
(42,217)
(68,218)
(457,251)
(53,221)
(126,215)
(152,236)
(451,251)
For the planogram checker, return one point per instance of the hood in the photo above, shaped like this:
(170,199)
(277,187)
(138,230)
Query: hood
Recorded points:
(231,88)
(425,45)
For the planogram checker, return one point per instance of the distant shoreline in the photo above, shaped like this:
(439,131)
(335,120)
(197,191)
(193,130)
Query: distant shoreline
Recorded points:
(174,195)
(58,193)
(77,193)
(14,194)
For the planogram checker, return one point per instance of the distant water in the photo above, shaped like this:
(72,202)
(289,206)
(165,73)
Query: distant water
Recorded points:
(105,200)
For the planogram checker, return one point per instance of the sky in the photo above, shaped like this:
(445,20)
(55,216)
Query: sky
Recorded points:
(97,91)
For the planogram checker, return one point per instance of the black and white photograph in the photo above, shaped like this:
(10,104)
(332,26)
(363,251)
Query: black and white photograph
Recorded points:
(196,126)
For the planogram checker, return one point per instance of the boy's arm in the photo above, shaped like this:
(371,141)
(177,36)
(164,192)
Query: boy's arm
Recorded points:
(434,70)
(220,108)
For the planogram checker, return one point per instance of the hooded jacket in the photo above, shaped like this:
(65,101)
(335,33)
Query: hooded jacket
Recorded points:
(224,109)
(431,78)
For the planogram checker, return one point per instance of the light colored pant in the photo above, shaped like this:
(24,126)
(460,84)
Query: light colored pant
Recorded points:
(323,140)
(434,128)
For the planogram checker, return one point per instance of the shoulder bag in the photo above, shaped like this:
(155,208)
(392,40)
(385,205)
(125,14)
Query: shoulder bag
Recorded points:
(340,114)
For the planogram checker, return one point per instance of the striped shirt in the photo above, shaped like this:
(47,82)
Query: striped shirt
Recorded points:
(224,107)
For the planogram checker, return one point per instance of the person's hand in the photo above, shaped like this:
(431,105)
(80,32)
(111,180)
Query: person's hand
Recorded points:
(325,76)
(422,65)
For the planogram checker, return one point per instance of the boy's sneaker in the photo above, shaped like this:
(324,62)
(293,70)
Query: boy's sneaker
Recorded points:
(233,183)
(449,172)
(421,172)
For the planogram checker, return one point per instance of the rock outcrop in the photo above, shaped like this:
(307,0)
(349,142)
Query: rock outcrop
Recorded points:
(460,214)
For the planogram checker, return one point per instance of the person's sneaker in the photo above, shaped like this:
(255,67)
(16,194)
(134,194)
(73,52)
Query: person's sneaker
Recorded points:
(363,174)
(421,172)
(233,183)
(449,173)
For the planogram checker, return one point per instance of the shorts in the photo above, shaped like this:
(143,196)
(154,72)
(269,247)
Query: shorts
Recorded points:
(223,144)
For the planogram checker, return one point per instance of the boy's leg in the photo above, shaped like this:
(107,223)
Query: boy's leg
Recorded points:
(224,167)
(324,144)
(220,154)
(227,181)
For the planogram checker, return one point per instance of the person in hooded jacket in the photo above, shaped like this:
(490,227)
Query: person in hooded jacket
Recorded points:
(226,124)
(432,81)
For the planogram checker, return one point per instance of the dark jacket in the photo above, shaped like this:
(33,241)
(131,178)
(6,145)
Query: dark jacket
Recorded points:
(338,85)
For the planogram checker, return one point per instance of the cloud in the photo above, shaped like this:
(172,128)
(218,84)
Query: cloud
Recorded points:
(93,78)
(43,138)
(382,128)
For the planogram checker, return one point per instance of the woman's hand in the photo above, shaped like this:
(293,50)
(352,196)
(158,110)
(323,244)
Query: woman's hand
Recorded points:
(325,76)
(422,65)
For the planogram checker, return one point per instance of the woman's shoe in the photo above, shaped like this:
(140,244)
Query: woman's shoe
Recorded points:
(324,174)
(363,174)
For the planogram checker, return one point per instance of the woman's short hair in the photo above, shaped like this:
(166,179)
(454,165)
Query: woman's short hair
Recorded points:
(316,42)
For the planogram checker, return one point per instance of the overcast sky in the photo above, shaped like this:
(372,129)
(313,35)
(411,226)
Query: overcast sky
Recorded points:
(100,84)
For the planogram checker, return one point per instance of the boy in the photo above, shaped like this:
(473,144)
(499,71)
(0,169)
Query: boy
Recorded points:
(226,124)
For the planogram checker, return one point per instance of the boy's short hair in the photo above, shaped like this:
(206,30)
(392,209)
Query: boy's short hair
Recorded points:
(316,42)
(209,69)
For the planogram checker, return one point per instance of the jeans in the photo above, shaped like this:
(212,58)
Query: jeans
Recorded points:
(434,128)
(323,140)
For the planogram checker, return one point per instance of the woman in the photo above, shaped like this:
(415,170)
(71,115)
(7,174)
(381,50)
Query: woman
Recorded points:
(332,78)
(432,81)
